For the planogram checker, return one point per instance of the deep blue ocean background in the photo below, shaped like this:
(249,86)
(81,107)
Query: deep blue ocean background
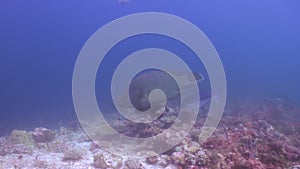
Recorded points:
(257,41)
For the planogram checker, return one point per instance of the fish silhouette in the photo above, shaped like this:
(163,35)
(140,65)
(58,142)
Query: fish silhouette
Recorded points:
(146,81)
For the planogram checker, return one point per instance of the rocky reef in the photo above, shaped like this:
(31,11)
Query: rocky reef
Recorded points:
(248,137)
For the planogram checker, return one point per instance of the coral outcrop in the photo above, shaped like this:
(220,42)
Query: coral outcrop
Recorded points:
(43,135)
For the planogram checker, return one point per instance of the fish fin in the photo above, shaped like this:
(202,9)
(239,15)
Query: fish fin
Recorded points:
(198,76)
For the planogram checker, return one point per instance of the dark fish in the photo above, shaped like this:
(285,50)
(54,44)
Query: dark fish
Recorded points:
(146,81)
(123,1)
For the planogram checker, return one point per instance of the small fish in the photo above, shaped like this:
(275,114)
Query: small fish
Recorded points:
(123,1)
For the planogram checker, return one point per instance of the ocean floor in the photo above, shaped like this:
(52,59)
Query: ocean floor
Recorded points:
(248,137)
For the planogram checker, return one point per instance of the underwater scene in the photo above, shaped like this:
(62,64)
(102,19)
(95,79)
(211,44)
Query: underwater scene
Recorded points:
(136,84)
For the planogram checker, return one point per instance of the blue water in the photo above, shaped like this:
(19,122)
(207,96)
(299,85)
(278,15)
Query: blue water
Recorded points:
(258,43)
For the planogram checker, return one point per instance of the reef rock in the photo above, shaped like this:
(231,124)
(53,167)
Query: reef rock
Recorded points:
(296,167)
(43,135)
(20,137)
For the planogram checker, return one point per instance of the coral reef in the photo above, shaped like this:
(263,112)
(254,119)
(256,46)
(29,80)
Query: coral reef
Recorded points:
(152,160)
(99,161)
(55,147)
(248,137)
(296,167)
(41,164)
(43,135)
(104,160)
(74,154)
(134,164)
(20,137)
(15,149)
